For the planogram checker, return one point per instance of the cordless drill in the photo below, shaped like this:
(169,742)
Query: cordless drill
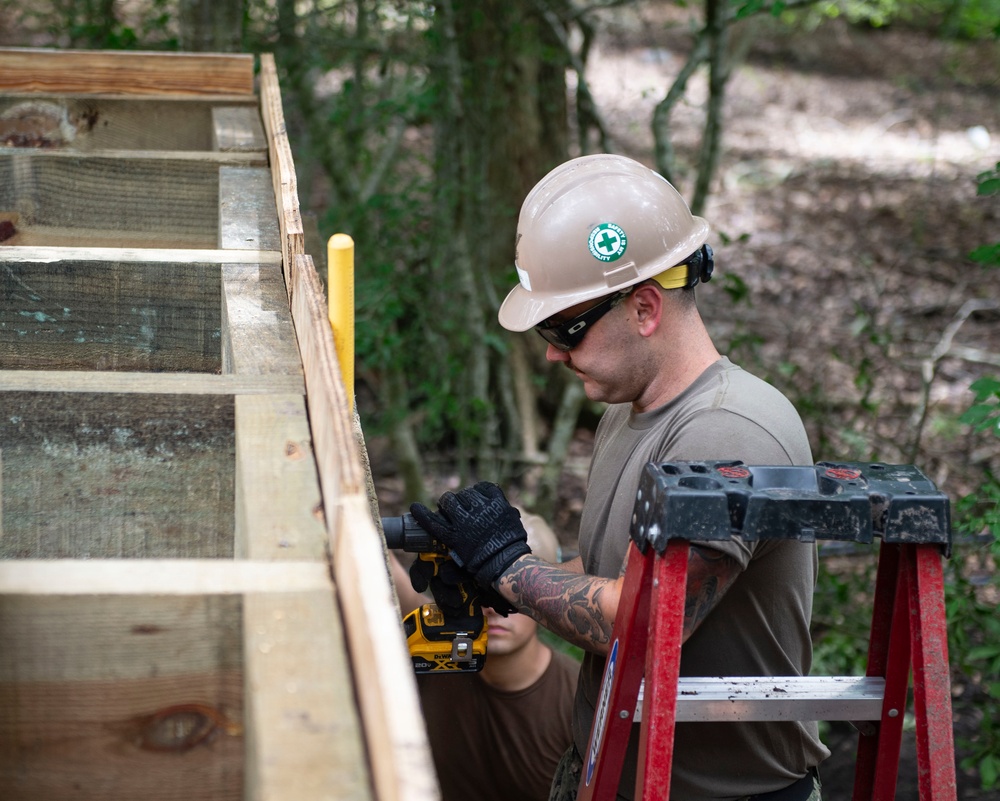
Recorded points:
(440,641)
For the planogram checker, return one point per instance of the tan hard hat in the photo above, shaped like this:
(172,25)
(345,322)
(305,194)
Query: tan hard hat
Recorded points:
(592,226)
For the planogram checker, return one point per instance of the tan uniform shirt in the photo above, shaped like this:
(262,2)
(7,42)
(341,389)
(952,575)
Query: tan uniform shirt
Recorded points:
(761,626)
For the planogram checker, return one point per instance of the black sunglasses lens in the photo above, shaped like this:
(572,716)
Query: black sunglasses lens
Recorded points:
(555,337)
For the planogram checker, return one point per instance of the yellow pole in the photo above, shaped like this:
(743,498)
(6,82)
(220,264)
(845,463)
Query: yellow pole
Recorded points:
(340,291)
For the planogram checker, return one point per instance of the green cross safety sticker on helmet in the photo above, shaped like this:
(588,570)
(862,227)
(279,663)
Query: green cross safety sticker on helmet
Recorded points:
(607,242)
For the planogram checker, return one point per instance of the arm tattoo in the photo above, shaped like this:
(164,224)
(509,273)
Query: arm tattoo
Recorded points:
(566,603)
(710,573)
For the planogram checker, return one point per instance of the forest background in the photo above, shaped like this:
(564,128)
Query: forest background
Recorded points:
(845,152)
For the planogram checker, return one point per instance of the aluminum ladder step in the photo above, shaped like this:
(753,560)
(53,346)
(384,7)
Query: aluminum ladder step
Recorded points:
(853,698)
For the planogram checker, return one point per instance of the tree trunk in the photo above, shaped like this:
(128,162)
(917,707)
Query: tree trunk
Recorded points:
(212,26)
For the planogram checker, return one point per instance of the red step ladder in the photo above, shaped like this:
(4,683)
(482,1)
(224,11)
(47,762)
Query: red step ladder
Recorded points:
(682,501)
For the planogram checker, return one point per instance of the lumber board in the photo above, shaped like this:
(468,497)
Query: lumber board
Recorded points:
(274,449)
(304,737)
(90,124)
(286,193)
(108,72)
(257,333)
(121,696)
(99,475)
(145,202)
(54,577)
(337,455)
(304,734)
(124,383)
(398,750)
(143,316)
(207,157)
(247,217)
(131,255)
(237,129)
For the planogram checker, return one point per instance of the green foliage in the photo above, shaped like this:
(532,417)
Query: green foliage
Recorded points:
(956,19)
(988,184)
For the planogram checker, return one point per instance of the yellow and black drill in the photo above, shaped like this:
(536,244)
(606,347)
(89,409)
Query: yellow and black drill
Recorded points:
(442,638)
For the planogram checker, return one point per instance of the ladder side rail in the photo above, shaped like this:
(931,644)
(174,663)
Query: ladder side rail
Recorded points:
(663,665)
(886,579)
(931,694)
(612,725)
(889,732)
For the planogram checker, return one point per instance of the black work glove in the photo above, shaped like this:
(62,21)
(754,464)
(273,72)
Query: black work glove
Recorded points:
(481,529)
(444,587)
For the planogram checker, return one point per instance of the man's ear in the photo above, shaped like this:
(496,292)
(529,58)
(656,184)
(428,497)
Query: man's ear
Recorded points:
(647,301)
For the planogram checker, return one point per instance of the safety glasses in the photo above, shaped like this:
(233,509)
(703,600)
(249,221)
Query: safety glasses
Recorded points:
(567,335)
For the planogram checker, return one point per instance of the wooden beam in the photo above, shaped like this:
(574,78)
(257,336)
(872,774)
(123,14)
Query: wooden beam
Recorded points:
(397,738)
(303,735)
(274,449)
(237,129)
(109,72)
(235,158)
(148,383)
(257,331)
(52,577)
(303,730)
(51,255)
(286,191)
(247,216)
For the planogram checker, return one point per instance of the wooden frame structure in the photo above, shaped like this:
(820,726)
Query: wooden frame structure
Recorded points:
(193,595)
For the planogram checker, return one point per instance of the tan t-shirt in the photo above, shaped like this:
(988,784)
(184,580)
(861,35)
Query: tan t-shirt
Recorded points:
(760,627)
(492,745)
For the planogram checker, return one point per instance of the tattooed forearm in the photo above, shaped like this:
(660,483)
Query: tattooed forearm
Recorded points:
(710,573)
(577,607)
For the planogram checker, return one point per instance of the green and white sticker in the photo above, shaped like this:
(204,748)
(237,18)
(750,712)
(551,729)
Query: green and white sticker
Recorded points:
(607,242)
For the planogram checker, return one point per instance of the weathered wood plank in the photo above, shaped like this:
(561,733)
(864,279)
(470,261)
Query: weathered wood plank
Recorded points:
(304,739)
(125,73)
(247,216)
(123,697)
(397,741)
(53,577)
(117,475)
(109,316)
(132,255)
(207,157)
(257,333)
(274,449)
(286,192)
(303,735)
(144,202)
(149,383)
(237,128)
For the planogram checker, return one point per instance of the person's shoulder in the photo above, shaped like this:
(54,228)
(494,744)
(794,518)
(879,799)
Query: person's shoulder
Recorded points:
(564,666)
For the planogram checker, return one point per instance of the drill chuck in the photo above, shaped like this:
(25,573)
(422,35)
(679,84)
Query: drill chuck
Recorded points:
(405,534)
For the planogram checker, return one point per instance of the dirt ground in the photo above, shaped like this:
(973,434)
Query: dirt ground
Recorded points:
(846,204)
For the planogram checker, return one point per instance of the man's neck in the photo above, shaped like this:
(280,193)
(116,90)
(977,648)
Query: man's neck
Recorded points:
(517,670)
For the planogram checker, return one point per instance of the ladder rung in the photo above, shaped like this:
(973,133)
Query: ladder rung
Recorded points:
(854,698)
